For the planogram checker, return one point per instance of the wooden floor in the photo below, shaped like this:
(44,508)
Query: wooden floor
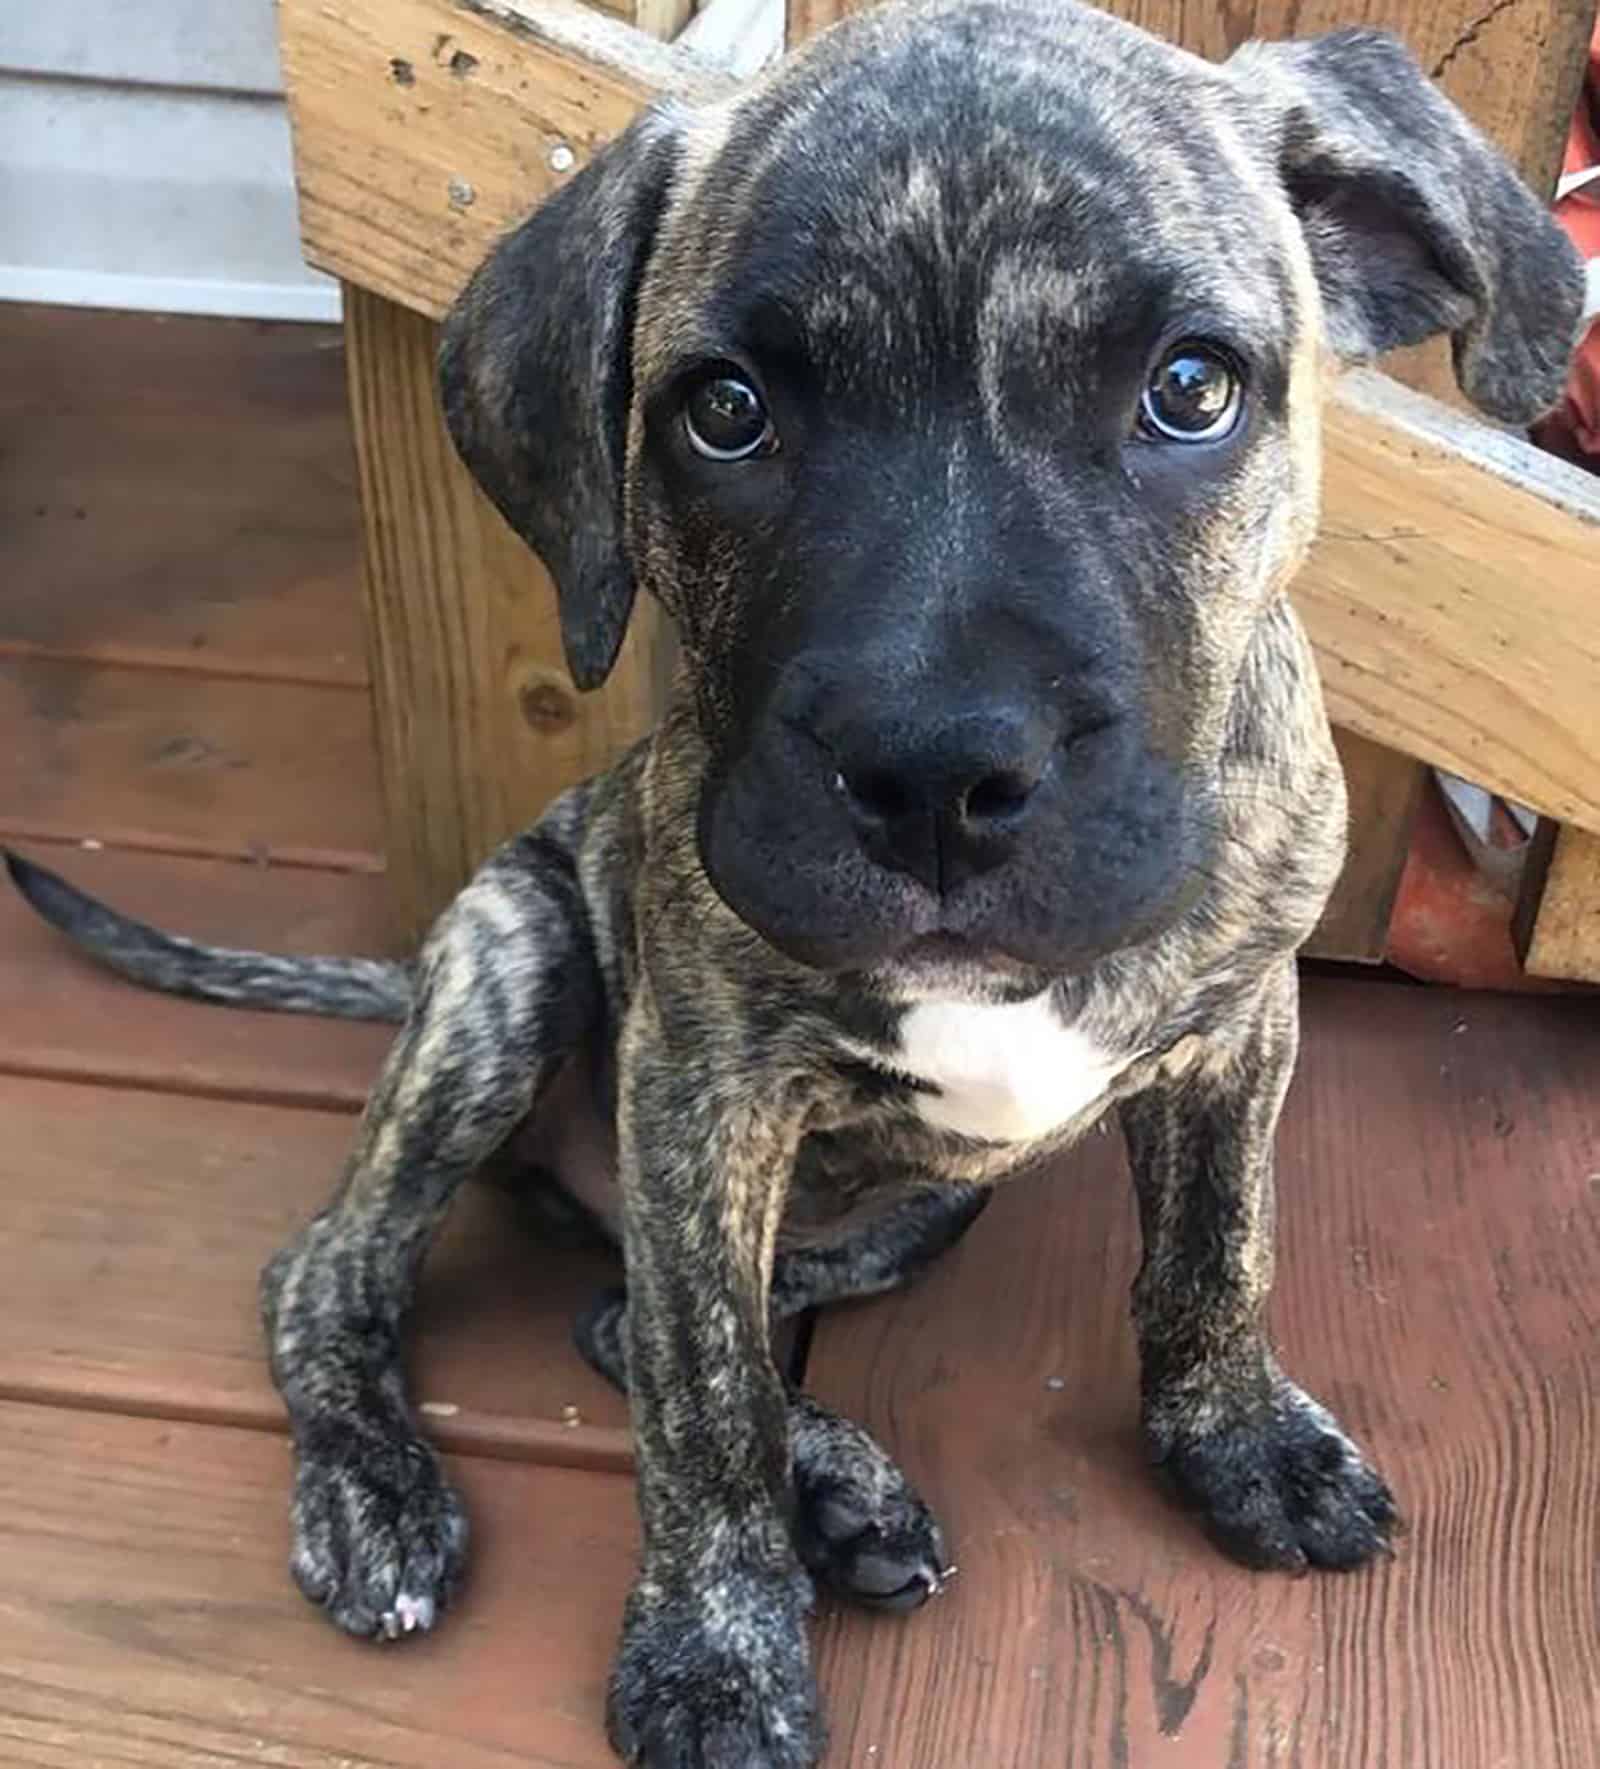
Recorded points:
(184,724)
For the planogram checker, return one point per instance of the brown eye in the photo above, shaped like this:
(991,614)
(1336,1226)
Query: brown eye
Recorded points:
(1194,395)
(725,420)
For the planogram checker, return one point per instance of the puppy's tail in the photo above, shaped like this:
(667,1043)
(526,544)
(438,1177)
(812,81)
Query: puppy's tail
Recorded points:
(342,988)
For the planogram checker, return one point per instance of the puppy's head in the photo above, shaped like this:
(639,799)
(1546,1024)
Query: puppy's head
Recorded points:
(956,388)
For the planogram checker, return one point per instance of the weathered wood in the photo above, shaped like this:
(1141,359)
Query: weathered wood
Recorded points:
(1450,597)
(194,1196)
(423,127)
(478,724)
(1383,800)
(1558,926)
(146,759)
(150,1621)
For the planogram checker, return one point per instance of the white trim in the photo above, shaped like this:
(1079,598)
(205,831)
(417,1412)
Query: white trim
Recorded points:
(170,294)
(743,36)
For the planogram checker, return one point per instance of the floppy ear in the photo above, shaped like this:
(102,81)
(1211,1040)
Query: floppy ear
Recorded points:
(1415,223)
(535,375)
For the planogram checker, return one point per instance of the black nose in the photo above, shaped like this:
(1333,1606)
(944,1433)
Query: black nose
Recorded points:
(943,800)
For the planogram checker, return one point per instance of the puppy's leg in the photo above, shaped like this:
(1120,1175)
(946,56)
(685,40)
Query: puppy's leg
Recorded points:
(506,987)
(860,1526)
(714,1666)
(1279,1483)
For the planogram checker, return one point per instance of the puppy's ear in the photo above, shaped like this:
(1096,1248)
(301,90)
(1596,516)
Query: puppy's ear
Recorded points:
(535,375)
(1415,223)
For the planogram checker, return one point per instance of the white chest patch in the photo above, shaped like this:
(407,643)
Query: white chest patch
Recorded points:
(1006,1072)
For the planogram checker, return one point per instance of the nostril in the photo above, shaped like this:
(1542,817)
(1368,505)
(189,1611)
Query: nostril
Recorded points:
(996,796)
(880,794)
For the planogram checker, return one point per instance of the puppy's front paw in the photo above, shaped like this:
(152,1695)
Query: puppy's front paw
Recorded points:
(716,1679)
(860,1525)
(1280,1484)
(380,1536)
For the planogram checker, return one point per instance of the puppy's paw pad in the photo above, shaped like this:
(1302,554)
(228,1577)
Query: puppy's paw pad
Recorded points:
(380,1536)
(1286,1487)
(861,1528)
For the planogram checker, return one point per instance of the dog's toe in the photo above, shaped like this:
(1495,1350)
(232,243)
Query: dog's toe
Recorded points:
(861,1528)
(1284,1488)
(718,1680)
(379,1534)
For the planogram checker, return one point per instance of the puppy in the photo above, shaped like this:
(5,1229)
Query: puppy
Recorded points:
(955,388)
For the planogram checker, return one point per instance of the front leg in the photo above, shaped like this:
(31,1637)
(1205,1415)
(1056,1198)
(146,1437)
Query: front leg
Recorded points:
(506,987)
(1277,1480)
(714,1668)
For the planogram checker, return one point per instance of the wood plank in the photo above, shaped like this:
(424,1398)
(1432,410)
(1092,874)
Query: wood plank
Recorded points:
(63,1016)
(478,724)
(195,764)
(1559,935)
(1384,789)
(148,1616)
(132,1231)
(422,128)
(178,494)
(1450,597)
(1440,1213)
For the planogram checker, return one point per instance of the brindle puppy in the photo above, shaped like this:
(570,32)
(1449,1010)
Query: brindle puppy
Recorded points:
(956,388)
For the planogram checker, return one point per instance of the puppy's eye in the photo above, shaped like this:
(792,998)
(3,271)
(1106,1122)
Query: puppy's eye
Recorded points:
(1194,394)
(725,420)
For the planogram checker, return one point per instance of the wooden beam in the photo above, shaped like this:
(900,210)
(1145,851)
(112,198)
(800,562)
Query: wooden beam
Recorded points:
(423,128)
(1558,925)
(1451,597)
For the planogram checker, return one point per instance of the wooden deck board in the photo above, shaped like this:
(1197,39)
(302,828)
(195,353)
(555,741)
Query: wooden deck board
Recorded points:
(179,493)
(148,1617)
(132,1228)
(1441,1238)
(1441,1220)
(198,763)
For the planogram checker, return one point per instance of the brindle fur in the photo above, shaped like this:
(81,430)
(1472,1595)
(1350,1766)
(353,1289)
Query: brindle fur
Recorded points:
(1321,202)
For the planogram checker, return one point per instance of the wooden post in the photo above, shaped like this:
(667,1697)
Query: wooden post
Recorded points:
(1516,72)
(478,724)
(1558,922)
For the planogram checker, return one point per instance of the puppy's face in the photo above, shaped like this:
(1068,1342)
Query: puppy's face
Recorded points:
(962,408)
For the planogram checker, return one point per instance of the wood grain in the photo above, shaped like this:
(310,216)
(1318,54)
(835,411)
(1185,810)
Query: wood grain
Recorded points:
(478,724)
(1440,1212)
(132,1231)
(1450,597)
(1383,799)
(211,765)
(1560,935)
(422,128)
(149,1619)
(179,497)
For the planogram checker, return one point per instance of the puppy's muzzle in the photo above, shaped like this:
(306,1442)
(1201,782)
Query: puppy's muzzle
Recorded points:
(944,798)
